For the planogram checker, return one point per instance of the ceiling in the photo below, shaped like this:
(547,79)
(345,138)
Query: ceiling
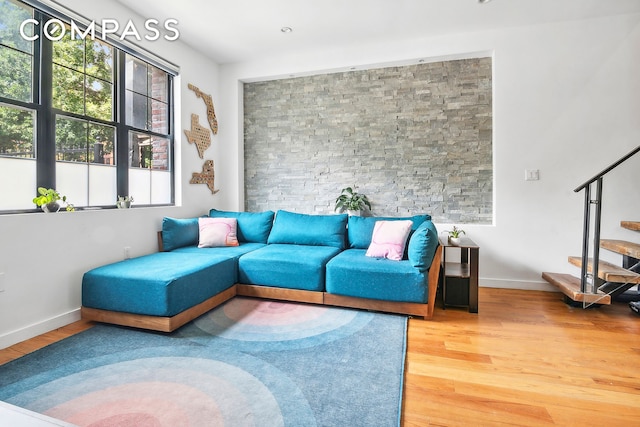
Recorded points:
(243,30)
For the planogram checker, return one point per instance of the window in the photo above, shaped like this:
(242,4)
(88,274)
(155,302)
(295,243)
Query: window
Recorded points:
(16,53)
(147,107)
(18,113)
(84,116)
(83,77)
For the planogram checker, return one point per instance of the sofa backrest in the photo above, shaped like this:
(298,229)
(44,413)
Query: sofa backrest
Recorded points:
(422,246)
(360,228)
(312,230)
(305,229)
(179,232)
(253,227)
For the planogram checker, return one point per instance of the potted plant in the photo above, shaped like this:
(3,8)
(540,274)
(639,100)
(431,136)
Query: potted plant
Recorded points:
(48,200)
(455,235)
(354,203)
(124,202)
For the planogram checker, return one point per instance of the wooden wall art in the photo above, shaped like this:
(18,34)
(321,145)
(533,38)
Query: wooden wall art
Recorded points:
(205,177)
(211,114)
(198,135)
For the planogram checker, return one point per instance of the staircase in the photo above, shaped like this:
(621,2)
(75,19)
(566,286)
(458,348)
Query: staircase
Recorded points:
(612,280)
(599,280)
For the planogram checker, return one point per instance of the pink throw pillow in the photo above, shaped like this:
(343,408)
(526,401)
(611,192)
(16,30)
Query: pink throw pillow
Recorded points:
(217,232)
(389,239)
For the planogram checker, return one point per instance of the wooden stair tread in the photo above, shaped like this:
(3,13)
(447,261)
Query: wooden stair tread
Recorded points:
(630,225)
(608,272)
(621,247)
(570,286)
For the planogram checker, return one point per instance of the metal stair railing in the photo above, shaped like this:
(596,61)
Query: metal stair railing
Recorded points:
(597,203)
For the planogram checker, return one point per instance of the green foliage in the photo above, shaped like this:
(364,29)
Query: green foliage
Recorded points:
(17,126)
(50,195)
(15,74)
(83,77)
(15,53)
(456,232)
(351,201)
(16,132)
(47,195)
(11,16)
(82,84)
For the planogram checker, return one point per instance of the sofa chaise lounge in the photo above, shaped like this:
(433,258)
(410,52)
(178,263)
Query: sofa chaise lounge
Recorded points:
(319,259)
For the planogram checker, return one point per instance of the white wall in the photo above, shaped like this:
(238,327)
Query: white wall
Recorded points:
(43,256)
(565,102)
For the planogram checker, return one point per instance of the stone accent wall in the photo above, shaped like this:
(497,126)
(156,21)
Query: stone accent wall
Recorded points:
(414,139)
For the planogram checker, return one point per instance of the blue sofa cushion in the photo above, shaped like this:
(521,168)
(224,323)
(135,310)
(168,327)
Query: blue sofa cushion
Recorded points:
(313,230)
(159,284)
(286,266)
(253,227)
(353,274)
(227,251)
(360,228)
(177,233)
(422,246)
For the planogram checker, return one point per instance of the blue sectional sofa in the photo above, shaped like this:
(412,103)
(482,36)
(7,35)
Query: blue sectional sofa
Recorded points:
(318,259)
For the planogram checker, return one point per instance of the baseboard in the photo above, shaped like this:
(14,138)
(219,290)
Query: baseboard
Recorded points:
(516,284)
(39,328)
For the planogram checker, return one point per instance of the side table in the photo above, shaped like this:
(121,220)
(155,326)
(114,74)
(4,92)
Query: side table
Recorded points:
(460,279)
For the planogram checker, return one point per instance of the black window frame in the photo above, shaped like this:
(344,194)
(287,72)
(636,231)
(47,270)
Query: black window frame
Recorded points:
(45,114)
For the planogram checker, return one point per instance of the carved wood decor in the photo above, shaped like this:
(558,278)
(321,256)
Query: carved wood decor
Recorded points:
(205,177)
(211,114)
(198,135)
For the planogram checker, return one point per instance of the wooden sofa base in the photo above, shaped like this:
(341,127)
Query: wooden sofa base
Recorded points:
(323,298)
(157,323)
(285,294)
(170,324)
(410,308)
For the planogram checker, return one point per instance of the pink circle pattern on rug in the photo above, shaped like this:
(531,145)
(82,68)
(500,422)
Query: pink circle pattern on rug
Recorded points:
(277,324)
(160,391)
(163,404)
(257,312)
(222,369)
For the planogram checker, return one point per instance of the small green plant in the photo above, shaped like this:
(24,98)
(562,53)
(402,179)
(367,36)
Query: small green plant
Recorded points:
(456,232)
(124,202)
(49,197)
(351,201)
(125,199)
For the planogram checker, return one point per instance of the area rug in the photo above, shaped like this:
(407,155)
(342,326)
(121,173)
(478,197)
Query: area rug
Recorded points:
(247,363)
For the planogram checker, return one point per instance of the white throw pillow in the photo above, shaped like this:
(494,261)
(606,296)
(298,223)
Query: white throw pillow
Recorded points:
(389,239)
(216,232)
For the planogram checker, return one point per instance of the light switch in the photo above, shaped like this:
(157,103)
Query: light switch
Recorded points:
(531,175)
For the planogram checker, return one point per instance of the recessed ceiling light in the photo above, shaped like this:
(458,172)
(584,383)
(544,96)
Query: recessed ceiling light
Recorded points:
(286,29)
(483,1)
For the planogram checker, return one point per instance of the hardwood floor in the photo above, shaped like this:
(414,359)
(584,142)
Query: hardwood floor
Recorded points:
(26,347)
(526,359)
